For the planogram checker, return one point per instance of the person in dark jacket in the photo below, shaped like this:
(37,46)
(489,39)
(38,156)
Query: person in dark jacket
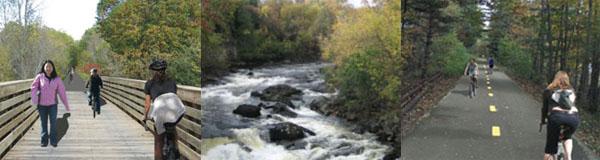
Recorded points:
(556,113)
(160,85)
(94,85)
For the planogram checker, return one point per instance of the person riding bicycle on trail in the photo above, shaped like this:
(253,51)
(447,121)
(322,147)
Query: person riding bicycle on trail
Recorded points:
(71,73)
(94,84)
(166,108)
(558,108)
(472,71)
(491,64)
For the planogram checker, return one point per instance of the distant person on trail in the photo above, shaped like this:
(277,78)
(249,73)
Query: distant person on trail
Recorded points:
(94,85)
(472,71)
(491,64)
(71,73)
(558,108)
(46,85)
(165,108)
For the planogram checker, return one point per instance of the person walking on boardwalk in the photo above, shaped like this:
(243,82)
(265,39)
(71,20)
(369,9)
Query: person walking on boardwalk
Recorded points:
(46,85)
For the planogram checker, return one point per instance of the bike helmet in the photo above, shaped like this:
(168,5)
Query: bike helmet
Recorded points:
(158,65)
(93,70)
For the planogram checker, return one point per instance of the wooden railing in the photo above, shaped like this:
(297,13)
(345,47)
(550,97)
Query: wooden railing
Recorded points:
(412,95)
(128,95)
(16,112)
(17,115)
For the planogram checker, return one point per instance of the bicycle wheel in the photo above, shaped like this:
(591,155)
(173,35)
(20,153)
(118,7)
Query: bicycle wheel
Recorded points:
(471,94)
(94,107)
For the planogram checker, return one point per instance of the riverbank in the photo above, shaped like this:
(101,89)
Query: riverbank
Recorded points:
(389,124)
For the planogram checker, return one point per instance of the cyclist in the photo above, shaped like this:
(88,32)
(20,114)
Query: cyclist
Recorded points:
(160,91)
(559,110)
(94,90)
(472,71)
(71,73)
(491,64)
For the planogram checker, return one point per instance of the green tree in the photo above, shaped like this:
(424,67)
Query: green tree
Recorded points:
(140,31)
(6,73)
(96,50)
(364,43)
(449,55)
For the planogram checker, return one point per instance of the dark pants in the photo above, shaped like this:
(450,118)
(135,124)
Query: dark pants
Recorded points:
(555,120)
(159,138)
(45,113)
(95,96)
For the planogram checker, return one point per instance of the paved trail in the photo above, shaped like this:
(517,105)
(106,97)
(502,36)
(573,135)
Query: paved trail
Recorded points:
(461,128)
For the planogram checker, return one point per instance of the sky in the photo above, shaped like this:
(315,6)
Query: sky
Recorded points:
(76,16)
(356,3)
(70,16)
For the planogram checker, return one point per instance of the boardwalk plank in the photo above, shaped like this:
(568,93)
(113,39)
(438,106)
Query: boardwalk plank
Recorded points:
(111,135)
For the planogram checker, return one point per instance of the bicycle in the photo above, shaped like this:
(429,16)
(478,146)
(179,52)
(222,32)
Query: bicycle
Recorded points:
(170,150)
(95,103)
(472,86)
(560,155)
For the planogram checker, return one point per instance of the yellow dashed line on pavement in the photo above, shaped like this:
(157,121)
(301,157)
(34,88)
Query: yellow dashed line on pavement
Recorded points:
(493,108)
(496,131)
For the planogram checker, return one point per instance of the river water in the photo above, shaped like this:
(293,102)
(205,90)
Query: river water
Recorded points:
(229,136)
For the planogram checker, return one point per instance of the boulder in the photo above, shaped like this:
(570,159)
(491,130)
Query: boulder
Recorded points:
(256,94)
(282,109)
(281,93)
(287,131)
(320,104)
(247,110)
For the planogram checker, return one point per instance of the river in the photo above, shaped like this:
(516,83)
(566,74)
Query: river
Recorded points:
(229,136)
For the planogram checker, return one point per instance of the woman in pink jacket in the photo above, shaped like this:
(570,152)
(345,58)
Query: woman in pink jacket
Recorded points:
(48,84)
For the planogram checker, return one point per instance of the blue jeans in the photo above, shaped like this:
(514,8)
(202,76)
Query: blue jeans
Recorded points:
(44,112)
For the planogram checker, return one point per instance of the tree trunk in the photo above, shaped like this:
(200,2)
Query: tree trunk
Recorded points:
(427,49)
(593,93)
(541,41)
(575,42)
(583,81)
(561,40)
(551,61)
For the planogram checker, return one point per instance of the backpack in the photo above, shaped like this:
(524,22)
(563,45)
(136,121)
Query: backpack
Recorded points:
(564,102)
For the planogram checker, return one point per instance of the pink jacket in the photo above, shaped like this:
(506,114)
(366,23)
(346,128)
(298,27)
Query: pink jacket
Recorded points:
(48,91)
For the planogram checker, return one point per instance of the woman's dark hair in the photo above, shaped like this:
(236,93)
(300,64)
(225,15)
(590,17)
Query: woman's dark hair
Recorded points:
(160,76)
(53,74)
(159,66)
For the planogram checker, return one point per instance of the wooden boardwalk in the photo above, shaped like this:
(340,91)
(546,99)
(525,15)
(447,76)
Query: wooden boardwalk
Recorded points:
(111,135)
